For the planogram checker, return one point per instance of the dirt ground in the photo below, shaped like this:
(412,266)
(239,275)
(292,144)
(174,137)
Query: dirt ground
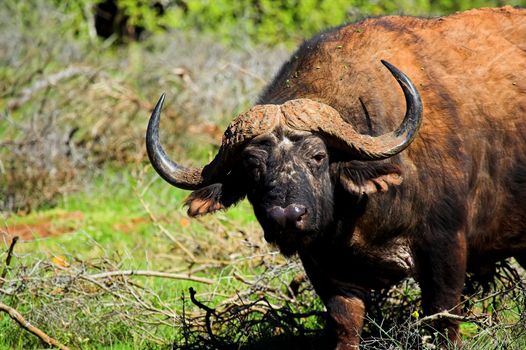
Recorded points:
(43,227)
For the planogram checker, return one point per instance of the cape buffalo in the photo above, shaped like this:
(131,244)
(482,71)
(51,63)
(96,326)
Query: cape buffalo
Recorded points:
(364,206)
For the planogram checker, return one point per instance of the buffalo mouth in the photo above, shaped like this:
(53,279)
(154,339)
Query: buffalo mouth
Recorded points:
(290,241)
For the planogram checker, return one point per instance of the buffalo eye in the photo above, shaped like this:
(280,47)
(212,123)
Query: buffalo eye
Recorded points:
(319,157)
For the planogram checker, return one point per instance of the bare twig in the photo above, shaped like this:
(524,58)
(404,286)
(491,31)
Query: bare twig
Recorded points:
(15,315)
(493,295)
(209,312)
(177,276)
(448,315)
(200,304)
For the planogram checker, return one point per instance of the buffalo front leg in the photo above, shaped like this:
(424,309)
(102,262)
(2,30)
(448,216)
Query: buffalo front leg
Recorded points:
(441,265)
(346,315)
(345,306)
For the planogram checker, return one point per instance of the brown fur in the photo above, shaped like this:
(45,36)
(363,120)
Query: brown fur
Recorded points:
(455,199)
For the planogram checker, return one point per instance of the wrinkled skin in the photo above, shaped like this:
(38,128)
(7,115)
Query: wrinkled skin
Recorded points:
(287,169)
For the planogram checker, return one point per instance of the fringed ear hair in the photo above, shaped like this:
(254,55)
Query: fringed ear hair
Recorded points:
(360,178)
(217,196)
(205,200)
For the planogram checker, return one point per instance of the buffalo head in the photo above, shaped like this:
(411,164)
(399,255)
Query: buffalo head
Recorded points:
(284,159)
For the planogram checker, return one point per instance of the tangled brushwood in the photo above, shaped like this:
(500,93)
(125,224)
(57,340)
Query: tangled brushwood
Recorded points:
(393,323)
(261,316)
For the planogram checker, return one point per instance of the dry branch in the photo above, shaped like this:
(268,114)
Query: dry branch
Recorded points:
(446,315)
(209,313)
(177,276)
(15,315)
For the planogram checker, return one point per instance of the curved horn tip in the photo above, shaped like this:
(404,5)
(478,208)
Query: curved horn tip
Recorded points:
(395,71)
(153,124)
(387,64)
(160,103)
(409,89)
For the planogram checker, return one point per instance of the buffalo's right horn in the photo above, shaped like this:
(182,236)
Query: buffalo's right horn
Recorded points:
(309,115)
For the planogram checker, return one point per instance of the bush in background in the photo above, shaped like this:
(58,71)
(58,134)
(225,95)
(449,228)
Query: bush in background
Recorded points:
(261,21)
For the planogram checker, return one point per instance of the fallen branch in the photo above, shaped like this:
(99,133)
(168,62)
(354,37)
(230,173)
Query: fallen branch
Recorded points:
(446,314)
(15,315)
(177,276)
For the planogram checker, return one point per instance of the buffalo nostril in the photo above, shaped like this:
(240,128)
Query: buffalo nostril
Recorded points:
(295,214)
(291,216)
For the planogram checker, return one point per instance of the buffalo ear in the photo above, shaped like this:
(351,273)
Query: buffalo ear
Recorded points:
(360,178)
(214,197)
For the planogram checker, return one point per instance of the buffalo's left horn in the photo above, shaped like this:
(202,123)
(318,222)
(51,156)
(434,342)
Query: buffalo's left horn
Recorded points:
(258,120)
(309,115)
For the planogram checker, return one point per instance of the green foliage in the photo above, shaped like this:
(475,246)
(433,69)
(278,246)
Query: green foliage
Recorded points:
(143,13)
(267,21)
(271,21)
(261,21)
